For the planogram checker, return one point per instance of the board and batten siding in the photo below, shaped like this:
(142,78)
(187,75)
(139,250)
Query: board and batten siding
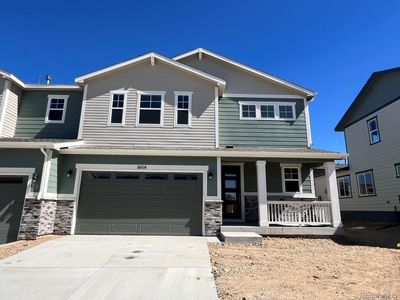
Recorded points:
(266,133)
(32,113)
(11,112)
(379,157)
(145,77)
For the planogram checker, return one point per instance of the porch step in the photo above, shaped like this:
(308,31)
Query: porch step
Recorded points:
(241,237)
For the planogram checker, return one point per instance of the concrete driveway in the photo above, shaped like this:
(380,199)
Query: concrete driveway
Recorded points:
(110,267)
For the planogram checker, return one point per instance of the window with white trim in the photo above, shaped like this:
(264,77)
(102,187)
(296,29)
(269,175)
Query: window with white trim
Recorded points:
(344,186)
(373,131)
(366,184)
(267,110)
(291,179)
(183,109)
(56,108)
(117,108)
(397,167)
(150,108)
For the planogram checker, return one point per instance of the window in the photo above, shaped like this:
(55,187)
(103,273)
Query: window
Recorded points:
(366,184)
(150,108)
(185,177)
(183,109)
(11,180)
(373,130)
(99,175)
(127,175)
(117,108)
(56,108)
(291,178)
(397,167)
(267,110)
(344,186)
(156,176)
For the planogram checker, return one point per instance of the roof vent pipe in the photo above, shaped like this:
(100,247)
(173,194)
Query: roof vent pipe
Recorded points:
(48,79)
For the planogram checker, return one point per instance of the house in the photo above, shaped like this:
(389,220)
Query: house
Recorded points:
(154,145)
(321,190)
(370,189)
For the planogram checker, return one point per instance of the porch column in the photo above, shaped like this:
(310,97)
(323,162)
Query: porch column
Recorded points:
(332,192)
(262,193)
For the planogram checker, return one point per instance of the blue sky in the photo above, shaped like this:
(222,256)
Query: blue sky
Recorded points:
(331,47)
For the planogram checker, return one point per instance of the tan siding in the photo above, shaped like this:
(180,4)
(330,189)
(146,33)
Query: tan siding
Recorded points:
(145,77)
(380,157)
(11,112)
(238,81)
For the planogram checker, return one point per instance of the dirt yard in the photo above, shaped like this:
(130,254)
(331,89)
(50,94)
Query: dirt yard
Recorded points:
(300,268)
(14,248)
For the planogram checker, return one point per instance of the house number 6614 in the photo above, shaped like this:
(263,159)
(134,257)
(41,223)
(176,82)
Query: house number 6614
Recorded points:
(141,167)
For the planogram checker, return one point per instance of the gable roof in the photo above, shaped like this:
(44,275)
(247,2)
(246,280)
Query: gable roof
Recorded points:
(360,97)
(153,56)
(309,93)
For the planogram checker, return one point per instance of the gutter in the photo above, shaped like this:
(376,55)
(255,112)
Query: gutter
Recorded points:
(40,145)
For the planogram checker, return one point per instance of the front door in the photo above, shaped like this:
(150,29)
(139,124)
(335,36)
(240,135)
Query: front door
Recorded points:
(231,193)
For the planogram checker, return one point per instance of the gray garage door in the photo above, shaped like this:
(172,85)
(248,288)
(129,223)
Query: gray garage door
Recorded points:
(140,203)
(12,196)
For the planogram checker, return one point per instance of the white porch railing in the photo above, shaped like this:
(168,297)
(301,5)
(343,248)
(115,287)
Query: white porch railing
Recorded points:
(299,213)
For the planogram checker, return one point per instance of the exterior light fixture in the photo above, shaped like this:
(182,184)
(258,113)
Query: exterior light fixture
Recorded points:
(210,175)
(69,173)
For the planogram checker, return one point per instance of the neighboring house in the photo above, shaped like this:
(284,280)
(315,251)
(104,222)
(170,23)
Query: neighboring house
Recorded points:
(371,188)
(321,190)
(155,145)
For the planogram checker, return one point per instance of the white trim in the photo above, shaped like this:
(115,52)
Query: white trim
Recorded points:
(52,87)
(137,168)
(59,197)
(262,195)
(263,96)
(216,111)
(299,180)
(308,123)
(312,181)
(219,182)
(61,145)
(110,108)
(44,180)
(64,110)
(4,103)
(83,110)
(190,95)
(248,69)
(139,98)
(370,132)
(23,172)
(169,61)
(242,204)
(258,105)
(294,195)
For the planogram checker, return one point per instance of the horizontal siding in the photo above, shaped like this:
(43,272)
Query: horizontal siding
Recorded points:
(379,157)
(11,112)
(2,83)
(53,176)
(153,78)
(269,133)
(32,114)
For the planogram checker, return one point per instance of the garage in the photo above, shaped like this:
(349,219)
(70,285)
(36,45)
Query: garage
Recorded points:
(140,203)
(12,196)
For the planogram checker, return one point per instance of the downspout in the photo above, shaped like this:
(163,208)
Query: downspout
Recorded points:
(45,172)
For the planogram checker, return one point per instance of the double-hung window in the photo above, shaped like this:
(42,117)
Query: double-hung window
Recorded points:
(150,108)
(285,111)
(366,184)
(291,178)
(373,131)
(117,108)
(344,186)
(183,109)
(56,108)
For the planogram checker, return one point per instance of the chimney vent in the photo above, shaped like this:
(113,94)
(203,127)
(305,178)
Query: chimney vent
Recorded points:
(48,79)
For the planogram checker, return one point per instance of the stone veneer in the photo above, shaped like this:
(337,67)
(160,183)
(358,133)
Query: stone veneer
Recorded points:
(213,217)
(251,209)
(63,218)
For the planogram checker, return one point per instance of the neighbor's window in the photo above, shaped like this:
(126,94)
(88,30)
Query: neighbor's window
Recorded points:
(117,108)
(344,187)
(291,179)
(150,108)
(267,110)
(56,108)
(397,167)
(373,130)
(366,184)
(183,105)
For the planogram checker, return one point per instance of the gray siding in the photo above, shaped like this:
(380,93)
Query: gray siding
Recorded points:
(238,81)
(269,133)
(2,83)
(11,112)
(53,176)
(379,157)
(32,113)
(145,77)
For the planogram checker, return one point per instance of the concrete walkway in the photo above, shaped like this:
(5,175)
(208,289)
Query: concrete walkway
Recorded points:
(110,267)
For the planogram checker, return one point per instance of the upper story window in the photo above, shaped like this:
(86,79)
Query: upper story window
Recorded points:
(344,186)
(366,184)
(183,109)
(397,167)
(267,110)
(117,108)
(150,108)
(291,178)
(56,108)
(373,130)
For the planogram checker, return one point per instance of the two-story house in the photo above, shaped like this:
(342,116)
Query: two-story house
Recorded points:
(370,188)
(155,145)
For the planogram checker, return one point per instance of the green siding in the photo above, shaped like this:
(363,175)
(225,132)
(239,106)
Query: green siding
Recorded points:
(32,113)
(53,176)
(268,133)
(68,162)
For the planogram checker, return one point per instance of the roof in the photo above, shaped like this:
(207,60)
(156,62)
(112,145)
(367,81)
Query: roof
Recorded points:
(39,143)
(371,80)
(310,94)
